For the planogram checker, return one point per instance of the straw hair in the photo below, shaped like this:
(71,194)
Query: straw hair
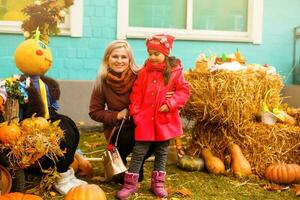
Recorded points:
(103,69)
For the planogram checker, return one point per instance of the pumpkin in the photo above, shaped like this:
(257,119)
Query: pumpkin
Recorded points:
(84,166)
(20,196)
(74,165)
(34,122)
(33,57)
(6,180)
(239,164)
(190,163)
(86,192)
(283,173)
(9,133)
(213,164)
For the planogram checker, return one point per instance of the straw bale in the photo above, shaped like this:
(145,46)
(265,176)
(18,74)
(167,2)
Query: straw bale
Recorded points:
(261,144)
(229,97)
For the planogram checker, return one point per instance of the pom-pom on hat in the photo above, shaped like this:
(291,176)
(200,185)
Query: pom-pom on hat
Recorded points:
(161,43)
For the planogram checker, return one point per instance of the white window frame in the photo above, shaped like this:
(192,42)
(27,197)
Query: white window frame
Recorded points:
(253,34)
(72,26)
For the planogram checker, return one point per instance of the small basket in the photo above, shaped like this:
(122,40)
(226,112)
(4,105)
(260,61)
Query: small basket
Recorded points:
(11,109)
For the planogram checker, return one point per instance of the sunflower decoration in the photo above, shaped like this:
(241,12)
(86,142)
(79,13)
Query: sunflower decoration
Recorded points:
(45,15)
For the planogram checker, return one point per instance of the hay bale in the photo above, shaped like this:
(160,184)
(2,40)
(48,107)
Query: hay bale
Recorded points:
(231,98)
(261,144)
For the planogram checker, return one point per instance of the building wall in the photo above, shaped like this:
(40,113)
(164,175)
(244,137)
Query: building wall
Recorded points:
(79,58)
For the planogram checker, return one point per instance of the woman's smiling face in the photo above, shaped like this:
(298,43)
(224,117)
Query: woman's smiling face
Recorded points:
(118,60)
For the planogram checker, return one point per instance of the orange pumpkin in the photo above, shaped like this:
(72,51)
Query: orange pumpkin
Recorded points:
(6,180)
(20,196)
(34,122)
(33,57)
(9,133)
(283,173)
(86,192)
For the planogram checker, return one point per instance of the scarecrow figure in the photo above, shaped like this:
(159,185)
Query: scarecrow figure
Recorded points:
(33,58)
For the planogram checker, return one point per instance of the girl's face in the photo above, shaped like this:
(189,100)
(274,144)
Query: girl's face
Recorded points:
(156,57)
(118,60)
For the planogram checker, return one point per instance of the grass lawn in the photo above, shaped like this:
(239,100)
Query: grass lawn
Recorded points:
(182,185)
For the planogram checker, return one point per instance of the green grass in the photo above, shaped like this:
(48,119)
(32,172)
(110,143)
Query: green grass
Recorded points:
(202,185)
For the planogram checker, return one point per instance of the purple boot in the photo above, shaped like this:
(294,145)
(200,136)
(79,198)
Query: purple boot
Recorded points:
(157,183)
(130,185)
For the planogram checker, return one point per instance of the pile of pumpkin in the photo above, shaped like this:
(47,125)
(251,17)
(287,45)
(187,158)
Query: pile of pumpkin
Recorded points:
(30,140)
(278,173)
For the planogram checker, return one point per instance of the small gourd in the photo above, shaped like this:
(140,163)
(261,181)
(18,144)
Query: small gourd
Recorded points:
(239,164)
(86,192)
(74,164)
(35,123)
(213,164)
(283,173)
(85,168)
(190,163)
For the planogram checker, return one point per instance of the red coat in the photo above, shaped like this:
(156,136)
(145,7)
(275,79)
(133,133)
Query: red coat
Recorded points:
(148,95)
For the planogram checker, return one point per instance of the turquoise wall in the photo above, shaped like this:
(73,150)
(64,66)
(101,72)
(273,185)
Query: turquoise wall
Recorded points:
(79,58)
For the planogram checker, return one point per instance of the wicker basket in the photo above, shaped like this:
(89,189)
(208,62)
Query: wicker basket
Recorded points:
(11,110)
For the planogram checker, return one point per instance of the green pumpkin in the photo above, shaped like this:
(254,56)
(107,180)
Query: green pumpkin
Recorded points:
(191,163)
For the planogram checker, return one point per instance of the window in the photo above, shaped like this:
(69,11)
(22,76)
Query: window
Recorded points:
(211,20)
(11,17)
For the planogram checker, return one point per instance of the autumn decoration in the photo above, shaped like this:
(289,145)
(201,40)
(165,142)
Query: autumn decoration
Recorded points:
(283,173)
(86,192)
(45,15)
(239,164)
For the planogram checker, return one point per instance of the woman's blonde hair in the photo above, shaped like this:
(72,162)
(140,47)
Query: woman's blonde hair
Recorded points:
(103,69)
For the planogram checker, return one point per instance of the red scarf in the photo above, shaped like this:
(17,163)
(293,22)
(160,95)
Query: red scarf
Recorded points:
(155,66)
(121,83)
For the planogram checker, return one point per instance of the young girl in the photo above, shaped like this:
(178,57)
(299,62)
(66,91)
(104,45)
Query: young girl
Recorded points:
(156,117)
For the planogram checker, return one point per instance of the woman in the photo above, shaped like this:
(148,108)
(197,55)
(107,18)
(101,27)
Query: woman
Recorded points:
(110,96)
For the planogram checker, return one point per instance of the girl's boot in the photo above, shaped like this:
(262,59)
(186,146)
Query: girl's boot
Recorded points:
(157,183)
(130,185)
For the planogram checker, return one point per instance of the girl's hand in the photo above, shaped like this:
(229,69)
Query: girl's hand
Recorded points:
(123,114)
(164,108)
(169,94)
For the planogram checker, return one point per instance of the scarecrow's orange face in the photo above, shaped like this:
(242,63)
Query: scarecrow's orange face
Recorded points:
(33,57)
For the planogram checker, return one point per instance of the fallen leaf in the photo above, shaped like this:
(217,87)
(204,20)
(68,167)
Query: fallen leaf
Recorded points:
(184,192)
(296,189)
(169,190)
(53,194)
(273,187)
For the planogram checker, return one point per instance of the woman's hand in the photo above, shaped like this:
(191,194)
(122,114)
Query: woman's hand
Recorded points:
(164,108)
(123,114)
(169,94)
